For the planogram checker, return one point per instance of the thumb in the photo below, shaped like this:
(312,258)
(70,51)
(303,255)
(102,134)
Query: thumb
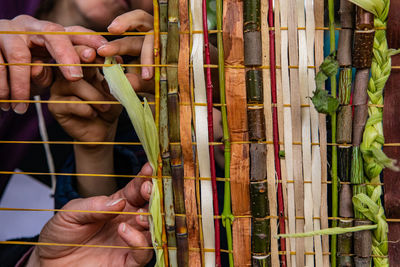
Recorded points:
(42,77)
(93,209)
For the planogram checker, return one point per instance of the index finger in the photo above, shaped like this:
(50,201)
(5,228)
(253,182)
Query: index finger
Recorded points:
(59,46)
(137,191)
(135,20)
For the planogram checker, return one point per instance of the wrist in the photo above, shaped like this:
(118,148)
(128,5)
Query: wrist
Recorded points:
(33,260)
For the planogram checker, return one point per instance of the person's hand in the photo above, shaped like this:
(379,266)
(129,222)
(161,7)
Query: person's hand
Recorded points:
(27,48)
(99,229)
(85,122)
(134,46)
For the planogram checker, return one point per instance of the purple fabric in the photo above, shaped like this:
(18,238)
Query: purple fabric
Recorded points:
(13,126)
(12,8)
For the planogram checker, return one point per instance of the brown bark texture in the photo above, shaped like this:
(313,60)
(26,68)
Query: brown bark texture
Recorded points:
(391,129)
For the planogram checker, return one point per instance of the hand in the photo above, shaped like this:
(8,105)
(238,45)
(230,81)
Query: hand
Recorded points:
(27,48)
(134,46)
(85,122)
(99,229)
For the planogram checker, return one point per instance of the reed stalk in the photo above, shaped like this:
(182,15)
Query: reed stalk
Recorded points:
(256,124)
(209,85)
(281,210)
(334,170)
(177,171)
(227,216)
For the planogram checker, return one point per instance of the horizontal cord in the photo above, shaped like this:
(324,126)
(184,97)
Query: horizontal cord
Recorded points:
(395,220)
(171,143)
(150,248)
(147,33)
(93,102)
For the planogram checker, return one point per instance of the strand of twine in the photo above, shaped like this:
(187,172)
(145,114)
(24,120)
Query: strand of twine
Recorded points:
(375,160)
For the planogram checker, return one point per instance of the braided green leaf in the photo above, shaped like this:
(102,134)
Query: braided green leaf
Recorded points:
(374,159)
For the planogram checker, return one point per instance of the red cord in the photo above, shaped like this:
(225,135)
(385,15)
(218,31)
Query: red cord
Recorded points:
(211,136)
(281,208)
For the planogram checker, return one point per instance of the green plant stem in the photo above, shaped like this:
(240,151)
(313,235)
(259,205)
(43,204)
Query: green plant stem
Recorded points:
(333,127)
(227,216)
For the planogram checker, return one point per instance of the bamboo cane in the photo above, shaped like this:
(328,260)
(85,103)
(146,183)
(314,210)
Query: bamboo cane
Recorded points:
(363,40)
(256,122)
(211,136)
(344,131)
(164,140)
(177,171)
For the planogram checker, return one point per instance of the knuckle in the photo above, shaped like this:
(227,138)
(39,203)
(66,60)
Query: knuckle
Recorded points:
(20,55)
(53,27)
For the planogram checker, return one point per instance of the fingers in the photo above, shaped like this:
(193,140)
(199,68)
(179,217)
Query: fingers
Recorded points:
(41,77)
(146,57)
(86,53)
(100,203)
(125,46)
(85,91)
(143,220)
(93,41)
(74,109)
(138,191)
(16,51)
(139,84)
(135,20)
(60,47)
(136,238)
(4,89)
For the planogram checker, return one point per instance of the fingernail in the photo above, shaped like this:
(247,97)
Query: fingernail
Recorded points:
(149,187)
(87,53)
(102,47)
(113,24)
(76,72)
(20,108)
(105,107)
(5,107)
(113,202)
(143,218)
(123,227)
(145,73)
(147,169)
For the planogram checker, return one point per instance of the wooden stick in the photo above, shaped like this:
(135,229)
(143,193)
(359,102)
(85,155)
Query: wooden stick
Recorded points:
(237,118)
(391,126)
(186,136)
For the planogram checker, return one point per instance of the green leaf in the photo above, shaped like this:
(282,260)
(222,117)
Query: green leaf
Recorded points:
(324,103)
(145,128)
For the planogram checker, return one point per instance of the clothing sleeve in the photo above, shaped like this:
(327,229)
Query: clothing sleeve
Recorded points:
(10,255)
(12,8)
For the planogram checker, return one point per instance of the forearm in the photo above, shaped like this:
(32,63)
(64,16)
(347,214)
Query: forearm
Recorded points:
(95,160)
